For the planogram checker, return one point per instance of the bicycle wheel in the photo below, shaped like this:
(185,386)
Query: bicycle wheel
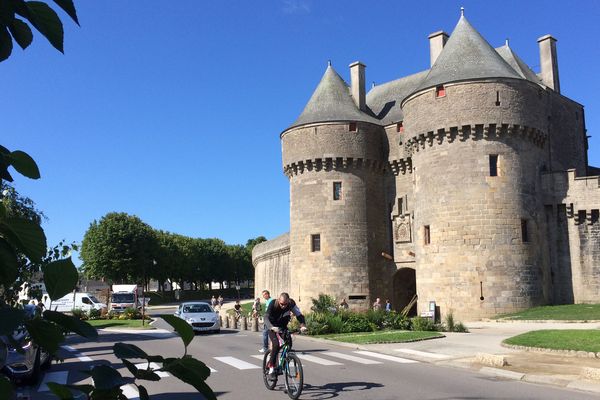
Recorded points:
(270,382)
(294,376)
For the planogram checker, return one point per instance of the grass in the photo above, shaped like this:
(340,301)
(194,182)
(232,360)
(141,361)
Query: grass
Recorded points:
(564,339)
(581,312)
(119,323)
(381,336)
(246,309)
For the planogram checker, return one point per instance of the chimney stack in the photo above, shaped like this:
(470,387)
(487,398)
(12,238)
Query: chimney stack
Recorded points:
(357,83)
(549,62)
(437,41)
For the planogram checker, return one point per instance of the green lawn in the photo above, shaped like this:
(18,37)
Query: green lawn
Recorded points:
(381,336)
(246,309)
(565,339)
(119,323)
(582,312)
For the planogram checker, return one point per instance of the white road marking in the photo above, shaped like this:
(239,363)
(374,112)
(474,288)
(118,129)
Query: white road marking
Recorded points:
(69,348)
(386,357)
(423,353)
(317,360)
(130,392)
(77,354)
(236,363)
(84,358)
(212,369)
(351,358)
(56,376)
(154,366)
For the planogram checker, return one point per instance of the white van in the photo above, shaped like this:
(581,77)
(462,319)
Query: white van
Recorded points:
(83,301)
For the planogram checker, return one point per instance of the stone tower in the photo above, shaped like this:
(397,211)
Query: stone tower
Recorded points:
(334,156)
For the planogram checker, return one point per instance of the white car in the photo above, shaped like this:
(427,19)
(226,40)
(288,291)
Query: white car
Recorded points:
(201,316)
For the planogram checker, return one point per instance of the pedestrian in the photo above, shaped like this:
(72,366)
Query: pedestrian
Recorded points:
(238,309)
(377,305)
(343,305)
(213,301)
(220,300)
(268,299)
(388,305)
(256,308)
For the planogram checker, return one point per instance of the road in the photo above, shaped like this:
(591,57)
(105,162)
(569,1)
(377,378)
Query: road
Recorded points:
(331,371)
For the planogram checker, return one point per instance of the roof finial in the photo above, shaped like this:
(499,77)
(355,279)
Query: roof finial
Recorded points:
(462,11)
(329,63)
(372,84)
(506,42)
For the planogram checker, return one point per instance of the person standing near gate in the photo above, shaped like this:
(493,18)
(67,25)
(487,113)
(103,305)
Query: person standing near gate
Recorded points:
(268,299)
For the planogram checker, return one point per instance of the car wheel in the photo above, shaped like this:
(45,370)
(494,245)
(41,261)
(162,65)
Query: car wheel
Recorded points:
(217,331)
(34,377)
(48,362)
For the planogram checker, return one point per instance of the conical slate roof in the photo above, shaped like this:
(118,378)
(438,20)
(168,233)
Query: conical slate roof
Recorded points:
(331,101)
(518,65)
(466,56)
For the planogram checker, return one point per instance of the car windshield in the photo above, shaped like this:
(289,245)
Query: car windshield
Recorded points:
(94,299)
(122,297)
(197,308)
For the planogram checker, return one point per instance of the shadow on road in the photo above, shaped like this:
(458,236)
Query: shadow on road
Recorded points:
(332,390)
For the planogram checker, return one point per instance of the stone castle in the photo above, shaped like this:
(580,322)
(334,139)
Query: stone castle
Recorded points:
(466,184)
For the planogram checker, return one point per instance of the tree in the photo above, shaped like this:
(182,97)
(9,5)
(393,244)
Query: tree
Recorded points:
(39,15)
(120,247)
(253,242)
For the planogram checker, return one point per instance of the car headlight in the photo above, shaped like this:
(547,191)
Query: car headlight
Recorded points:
(190,320)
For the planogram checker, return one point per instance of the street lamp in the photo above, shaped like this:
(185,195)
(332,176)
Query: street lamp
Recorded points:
(144,293)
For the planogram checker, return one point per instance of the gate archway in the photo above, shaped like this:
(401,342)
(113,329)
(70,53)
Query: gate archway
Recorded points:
(405,288)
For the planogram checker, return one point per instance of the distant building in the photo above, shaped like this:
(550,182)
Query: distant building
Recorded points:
(467,184)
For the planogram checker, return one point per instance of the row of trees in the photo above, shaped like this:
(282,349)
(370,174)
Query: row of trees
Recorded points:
(122,248)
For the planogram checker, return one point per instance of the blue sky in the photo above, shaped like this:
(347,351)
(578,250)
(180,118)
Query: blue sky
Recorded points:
(171,110)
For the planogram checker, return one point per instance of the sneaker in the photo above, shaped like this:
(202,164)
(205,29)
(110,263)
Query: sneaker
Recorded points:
(272,372)
(262,350)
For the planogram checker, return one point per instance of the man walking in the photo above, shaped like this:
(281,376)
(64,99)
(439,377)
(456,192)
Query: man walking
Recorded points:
(268,299)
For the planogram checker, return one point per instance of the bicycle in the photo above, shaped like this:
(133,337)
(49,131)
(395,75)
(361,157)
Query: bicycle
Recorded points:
(288,364)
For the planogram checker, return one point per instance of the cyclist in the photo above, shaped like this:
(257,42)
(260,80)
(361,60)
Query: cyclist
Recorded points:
(277,317)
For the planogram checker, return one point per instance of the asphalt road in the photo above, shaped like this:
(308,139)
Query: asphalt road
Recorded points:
(330,372)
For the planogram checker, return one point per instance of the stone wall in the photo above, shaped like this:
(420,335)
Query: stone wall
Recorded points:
(271,266)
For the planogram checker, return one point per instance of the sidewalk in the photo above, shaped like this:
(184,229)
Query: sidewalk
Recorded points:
(481,349)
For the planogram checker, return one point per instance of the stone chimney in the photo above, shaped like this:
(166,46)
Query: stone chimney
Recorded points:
(549,62)
(437,41)
(357,83)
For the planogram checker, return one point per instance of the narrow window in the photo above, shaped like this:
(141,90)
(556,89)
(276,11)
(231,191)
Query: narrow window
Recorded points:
(595,215)
(440,91)
(315,242)
(493,164)
(352,127)
(400,127)
(400,205)
(337,190)
(581,216)
(497,98)
(426,235)
(524,231)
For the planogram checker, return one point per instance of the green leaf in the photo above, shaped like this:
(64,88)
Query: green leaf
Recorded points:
(45,20)
(45,334)
(9,264)
(21,32)
(6,46)
(60,278)
(183,329)
(72,324)
(11,319)
(62,391)
(23,162)
(6,388)
(126,350)
(143,393)
(2,209)
(69,8)
(139,373)
(26,235)
(106,377)
(191,371)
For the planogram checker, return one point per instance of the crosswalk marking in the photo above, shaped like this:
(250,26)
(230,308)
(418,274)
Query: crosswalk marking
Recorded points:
(212,369)
(77,354)
(130,392)
(423,353)
(154,366)
(55,376)
(386,357)
(349,357)
(317,360)
(236,363)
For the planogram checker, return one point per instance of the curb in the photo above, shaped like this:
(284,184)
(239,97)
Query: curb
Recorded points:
(545,321)
(569,353)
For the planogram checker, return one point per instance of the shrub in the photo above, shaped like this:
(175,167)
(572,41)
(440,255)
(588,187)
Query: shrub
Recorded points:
(450,322)
(356,322)
(79,313)
(324,304)
(422,324)
(131,313)
(376,318)
(94,314)
(461,328)
(394,320)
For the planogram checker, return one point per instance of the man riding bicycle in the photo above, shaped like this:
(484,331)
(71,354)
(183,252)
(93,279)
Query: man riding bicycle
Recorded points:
(277,317)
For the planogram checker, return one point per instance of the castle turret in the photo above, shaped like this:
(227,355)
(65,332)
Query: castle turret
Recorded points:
(334,157)
(476,131)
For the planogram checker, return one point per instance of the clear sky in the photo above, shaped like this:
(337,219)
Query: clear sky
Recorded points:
(171,110)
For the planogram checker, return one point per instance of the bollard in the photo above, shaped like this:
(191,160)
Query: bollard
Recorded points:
(255,325)
(244,326)
(220,320)
(232,323)
(226,322)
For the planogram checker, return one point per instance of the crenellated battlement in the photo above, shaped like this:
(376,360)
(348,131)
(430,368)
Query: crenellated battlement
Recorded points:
(334,164)
(581,195)
(474,132)
(401,166)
